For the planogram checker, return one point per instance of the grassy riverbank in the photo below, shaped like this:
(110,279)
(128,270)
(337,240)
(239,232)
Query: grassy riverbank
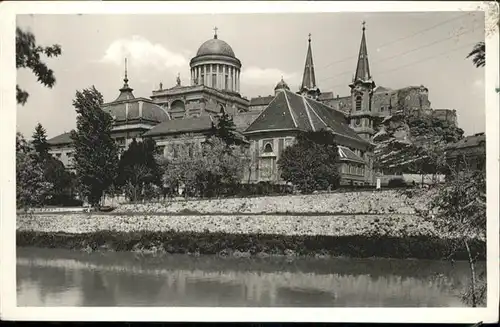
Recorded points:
(389,235)
(225,244)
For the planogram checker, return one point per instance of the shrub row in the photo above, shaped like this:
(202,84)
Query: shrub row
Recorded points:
(418,247)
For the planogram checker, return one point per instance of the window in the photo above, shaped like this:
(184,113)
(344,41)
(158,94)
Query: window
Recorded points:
(214,80)
(268,148)
(226,82)
(160,149)
(202,80)
(358,103)
(382,109)
(58,155)
(357,122)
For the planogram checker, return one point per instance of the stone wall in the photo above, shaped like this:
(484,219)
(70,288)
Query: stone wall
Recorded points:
(367,202)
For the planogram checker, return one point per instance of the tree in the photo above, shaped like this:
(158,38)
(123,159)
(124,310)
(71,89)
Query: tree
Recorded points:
(61,179)
(460,207)
(138,169)
(478,54)
(28,56)
(96,154)
(31,187)
(39,141)
(225,129)
(312,162)
(206,173)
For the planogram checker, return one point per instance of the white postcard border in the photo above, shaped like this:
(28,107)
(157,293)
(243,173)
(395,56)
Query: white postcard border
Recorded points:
(8,308)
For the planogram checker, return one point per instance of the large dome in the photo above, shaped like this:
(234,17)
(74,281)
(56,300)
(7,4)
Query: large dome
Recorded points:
(215,47)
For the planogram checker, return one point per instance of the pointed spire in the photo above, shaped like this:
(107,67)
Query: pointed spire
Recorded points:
(363,68)
(126,90)
(309,78)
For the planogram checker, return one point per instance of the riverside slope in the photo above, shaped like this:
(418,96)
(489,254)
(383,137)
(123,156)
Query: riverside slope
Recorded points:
(363,224)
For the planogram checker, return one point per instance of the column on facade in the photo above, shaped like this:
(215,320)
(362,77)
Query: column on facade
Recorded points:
(233,70)
(208,71)
(220,73)
(234,79)
(238,81)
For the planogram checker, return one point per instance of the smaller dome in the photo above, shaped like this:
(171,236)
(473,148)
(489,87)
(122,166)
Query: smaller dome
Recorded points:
(282,85)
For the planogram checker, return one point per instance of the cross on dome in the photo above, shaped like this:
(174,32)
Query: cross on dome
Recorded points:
(215,32)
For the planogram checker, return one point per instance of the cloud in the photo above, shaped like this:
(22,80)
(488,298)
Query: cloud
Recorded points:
(267,76)
(141,53)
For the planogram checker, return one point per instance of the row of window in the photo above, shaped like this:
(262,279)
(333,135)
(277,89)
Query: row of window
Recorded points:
(353,169)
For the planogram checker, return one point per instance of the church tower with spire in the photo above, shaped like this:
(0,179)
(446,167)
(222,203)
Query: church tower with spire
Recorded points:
(362,87)
(308,87)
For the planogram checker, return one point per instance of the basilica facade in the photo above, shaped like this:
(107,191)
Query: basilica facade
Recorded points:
(179,118)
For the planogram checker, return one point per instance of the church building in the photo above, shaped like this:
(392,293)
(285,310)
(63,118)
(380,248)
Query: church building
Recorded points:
(179,118)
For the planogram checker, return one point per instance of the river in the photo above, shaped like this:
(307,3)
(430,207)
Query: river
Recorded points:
(55,277)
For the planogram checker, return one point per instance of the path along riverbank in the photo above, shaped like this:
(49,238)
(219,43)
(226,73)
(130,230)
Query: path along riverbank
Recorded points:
(356,224)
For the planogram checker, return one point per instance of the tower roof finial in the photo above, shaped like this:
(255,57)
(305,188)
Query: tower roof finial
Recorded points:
(125,91)
(126,77)
(309,37)
(215,32)
(364,27)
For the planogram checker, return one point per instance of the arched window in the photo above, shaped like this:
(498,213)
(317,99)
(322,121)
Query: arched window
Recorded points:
(268,148)
(382,109)
(358,103)
(357,122)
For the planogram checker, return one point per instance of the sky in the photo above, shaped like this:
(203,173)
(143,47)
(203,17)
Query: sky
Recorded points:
(412,48)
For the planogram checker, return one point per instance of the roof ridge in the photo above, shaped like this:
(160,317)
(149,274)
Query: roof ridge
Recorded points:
(290,109)
(308,113)
(321,119)
(321,103)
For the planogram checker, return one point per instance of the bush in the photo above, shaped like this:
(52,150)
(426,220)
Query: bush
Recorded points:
(64,200)
(397,182)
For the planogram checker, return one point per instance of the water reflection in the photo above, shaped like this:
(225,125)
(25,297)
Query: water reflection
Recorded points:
(49,277)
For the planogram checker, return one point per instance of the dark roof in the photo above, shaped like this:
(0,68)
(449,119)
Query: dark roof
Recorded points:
(243,120)
(186,125)
(261,101)
(135,109)
(290,111)
(347,154)
(61,139)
